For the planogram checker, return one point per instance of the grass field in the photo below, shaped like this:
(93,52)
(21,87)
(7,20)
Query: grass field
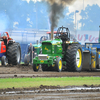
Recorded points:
(36,82)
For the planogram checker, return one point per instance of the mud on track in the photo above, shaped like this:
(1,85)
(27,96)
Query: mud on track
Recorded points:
(27,71)
(52,93)
(46,92)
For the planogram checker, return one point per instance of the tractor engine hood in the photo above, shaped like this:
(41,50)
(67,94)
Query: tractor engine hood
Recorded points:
(52,47)
(53,42)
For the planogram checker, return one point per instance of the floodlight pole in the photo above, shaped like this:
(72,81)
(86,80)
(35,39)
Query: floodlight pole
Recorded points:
(99,35)
(76,11)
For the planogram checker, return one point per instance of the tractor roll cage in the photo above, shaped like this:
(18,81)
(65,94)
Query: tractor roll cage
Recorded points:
(63,33)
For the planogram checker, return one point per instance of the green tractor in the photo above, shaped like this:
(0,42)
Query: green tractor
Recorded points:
(38,50)
(60,53)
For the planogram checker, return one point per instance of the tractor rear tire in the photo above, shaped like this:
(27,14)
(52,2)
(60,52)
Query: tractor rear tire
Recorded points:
(74,58)
(58,65)
(14,53)
(36,68)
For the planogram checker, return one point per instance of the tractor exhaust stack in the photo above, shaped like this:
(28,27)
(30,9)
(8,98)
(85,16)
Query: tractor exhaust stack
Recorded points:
(51,33)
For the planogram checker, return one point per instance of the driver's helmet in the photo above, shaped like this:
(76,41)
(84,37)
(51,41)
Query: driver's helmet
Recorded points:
(63,31)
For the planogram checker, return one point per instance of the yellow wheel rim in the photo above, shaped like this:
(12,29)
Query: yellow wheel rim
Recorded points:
(37,67)
(60,64)
(79,58)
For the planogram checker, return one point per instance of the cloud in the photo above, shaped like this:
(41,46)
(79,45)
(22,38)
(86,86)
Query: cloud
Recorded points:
(81,5)
(15,23)
(28,19)
(26,0)
(31,0)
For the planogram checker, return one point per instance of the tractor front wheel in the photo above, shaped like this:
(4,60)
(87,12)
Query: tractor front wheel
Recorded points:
(58,66)
(36,68)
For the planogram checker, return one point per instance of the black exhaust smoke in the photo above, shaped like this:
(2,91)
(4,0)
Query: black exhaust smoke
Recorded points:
(56,12)
(56,8)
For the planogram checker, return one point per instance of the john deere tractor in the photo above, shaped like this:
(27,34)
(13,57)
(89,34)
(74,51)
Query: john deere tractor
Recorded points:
(38,50)
(60,53)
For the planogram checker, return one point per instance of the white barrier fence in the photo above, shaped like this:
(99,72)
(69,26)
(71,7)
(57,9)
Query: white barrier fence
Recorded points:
(30,35)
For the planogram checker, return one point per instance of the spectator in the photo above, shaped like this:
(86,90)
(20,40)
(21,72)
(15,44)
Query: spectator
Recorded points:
(5,39)
(31,50)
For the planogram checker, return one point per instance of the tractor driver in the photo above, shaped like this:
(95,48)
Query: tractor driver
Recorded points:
(5,38)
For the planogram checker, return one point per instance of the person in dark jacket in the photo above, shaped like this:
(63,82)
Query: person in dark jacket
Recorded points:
(31,50)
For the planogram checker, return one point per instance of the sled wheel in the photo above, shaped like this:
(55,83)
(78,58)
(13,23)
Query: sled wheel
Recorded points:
(3,60)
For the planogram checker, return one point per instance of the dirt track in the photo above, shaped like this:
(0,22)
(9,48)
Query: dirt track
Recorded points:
(27,71)
(41,93)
